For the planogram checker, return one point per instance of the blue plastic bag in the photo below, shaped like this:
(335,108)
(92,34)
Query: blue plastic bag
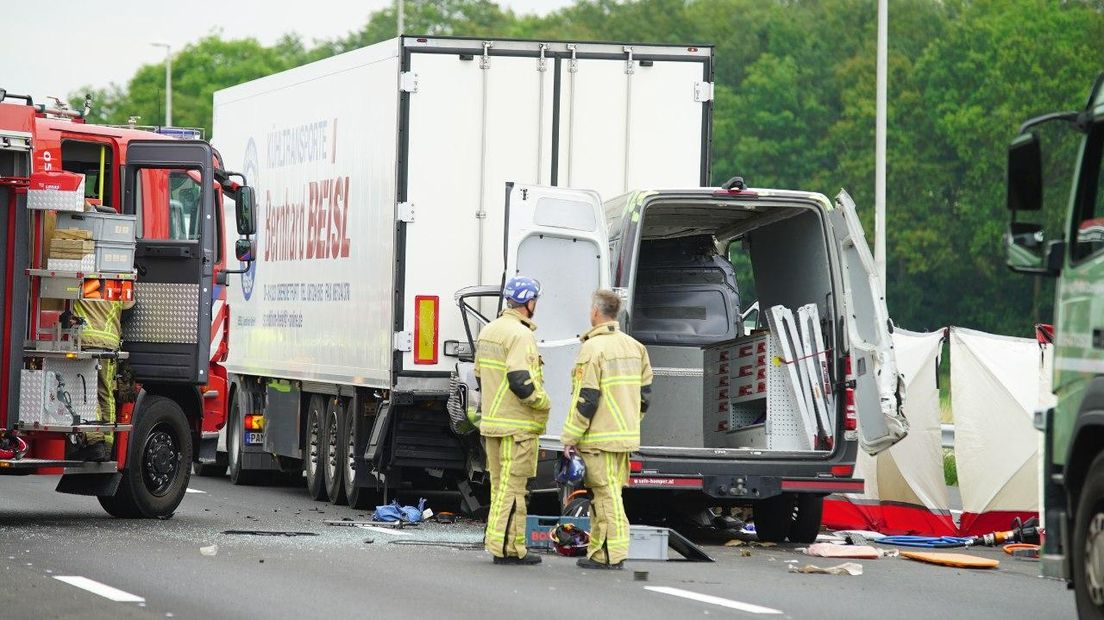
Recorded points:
(396,512)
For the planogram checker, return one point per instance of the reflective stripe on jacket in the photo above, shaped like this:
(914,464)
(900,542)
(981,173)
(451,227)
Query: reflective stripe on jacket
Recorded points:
(610,387)
(102,326)
(508,368)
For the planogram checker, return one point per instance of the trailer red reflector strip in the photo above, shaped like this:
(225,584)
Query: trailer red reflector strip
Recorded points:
(825,486)
(659,482)
(425,329)
(636,466)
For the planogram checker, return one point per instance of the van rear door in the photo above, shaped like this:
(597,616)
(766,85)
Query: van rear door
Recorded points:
(558,236)
(879,390)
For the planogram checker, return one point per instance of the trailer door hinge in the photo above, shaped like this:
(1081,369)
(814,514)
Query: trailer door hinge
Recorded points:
(406,212)
(703,91)
(404,341)
(408,82)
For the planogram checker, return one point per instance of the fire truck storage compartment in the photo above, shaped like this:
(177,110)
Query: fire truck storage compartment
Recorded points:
(686,309)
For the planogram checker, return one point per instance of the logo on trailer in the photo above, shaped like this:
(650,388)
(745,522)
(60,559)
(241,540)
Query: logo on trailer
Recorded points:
(252,171)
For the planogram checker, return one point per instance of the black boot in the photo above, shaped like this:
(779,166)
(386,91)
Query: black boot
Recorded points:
(529,560)
(589,563)
(93,452)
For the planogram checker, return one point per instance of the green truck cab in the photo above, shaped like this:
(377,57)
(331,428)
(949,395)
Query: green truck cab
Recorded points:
(1073,453)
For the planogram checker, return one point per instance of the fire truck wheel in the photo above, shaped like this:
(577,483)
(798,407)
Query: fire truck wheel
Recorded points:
(235,440)
(334,450)
(312,449)
(1087,553)
(773,517)
(806,523)
(158,463)
(359,497)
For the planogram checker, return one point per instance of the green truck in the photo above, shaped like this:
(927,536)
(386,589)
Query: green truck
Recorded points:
(1073,453)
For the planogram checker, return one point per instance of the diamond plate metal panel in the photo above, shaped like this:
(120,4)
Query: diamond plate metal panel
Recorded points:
(38,403)
(79,381)
(56,200)
(163,312)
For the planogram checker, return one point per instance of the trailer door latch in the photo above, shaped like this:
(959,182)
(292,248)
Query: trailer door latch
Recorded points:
(406,212)
(703,91)
(408,82)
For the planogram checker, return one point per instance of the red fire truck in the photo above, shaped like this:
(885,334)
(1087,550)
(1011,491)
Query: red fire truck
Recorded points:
(152,203)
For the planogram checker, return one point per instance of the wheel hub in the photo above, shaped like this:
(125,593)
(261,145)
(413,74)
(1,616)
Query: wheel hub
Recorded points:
(331,446)
(1094,559)
(350,456)
(160,462)
(312,449)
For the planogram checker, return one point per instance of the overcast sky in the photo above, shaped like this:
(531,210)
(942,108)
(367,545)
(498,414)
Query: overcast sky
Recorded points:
(56,47)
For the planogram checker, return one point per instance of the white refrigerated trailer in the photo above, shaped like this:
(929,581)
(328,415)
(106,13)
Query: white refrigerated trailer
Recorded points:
(381,180)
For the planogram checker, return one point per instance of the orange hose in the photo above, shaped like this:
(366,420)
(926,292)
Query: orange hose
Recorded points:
(1012,548)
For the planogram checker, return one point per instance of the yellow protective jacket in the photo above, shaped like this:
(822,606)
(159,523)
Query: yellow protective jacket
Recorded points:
(102,329)
(508,369)
(610,389)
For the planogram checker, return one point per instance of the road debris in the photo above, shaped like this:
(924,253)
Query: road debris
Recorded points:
(267,533)
(956,560)
(862,552)
(209,551)
(640,575)
(847,568)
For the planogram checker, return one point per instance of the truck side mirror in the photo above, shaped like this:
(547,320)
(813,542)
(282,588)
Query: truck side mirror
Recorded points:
(1028,251)
(243,250)
(244,206)
(1025,174)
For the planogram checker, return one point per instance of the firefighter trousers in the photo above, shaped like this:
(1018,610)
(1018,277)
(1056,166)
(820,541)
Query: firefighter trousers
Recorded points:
(606,474)
(105,398)
(511,462)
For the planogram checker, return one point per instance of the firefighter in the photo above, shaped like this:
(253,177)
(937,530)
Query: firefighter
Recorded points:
(514,413)
(102,332)
(611,385)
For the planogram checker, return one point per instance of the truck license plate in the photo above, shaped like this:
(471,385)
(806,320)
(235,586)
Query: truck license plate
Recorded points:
(253,438)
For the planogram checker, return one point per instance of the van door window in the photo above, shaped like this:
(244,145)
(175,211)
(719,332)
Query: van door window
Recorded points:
(1088,236)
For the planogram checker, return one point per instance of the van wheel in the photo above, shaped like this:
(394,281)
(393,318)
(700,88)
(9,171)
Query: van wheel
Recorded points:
(159,462)
(334,451)
(312,449)
(235,443)
(806,522)
(1088,544)
(774,517)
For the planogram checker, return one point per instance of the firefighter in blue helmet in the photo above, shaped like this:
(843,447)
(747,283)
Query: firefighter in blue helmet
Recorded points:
(514,414)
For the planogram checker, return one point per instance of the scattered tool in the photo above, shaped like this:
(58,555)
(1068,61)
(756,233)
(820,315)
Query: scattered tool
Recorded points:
(1021,532)
(957,560)
(267,533)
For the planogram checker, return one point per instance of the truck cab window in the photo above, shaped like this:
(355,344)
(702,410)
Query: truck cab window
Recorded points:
(184,206)
(96,161)
(1088,237)
(172,204)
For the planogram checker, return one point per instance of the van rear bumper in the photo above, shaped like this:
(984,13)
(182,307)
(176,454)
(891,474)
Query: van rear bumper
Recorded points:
(738,486)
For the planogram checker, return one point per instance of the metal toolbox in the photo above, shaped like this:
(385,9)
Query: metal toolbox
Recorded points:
(38,399)
(104,227)
(61,288)
(78,380)
(538,529)
(114,257)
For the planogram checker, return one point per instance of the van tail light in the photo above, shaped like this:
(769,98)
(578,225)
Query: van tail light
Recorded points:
(850,415)
(425,329)
(636,466)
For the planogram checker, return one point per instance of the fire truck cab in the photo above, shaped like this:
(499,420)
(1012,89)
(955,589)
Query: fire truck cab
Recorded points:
(152,206)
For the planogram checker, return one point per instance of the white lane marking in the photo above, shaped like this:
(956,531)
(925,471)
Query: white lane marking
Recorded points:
(714,600)
(103,590)
(384,530)
(191,490)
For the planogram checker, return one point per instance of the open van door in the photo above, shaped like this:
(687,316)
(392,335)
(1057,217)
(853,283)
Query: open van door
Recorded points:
(879,388)
(558,236)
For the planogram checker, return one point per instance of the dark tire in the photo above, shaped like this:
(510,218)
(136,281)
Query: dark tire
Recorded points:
(774,517)
(806,522)
(358,497)
(334,450)
(159,461)
(312,449)
(1087,554)
(235,443)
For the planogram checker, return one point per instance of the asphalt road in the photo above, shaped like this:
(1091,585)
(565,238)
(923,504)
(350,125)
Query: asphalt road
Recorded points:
(158,570)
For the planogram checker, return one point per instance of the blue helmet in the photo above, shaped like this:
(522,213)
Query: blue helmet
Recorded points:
(570,470)
(520,289)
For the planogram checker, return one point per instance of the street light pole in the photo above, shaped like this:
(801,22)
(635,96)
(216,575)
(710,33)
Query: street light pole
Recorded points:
(168,82)
(880,147)
(402,16)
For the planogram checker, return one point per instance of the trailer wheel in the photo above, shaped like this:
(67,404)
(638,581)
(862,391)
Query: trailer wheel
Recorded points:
(806,522)
(1088,544)
(334,451)
(235,443)
(774,517)
(359,497)
(158,463)
(312,449)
